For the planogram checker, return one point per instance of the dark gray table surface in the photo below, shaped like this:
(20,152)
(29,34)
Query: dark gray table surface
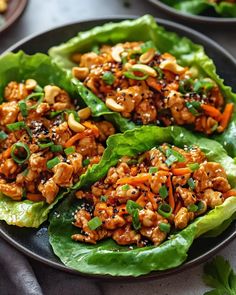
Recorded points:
(42,15)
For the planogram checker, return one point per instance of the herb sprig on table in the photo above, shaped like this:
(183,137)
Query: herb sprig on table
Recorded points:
(219,275)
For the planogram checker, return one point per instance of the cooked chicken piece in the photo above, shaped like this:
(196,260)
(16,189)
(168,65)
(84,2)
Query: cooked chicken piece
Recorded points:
(123,193)
(63,133)
(15,91)
(76,160)
(38,161)
(105,130)
(49,190)
(145,111)
(157,181)
(212,198)
(182,218)
(8,112)
(62,102)
(12,190)
(126,236)
(180,180)
(187,196)
(88,147)
(8,167)
(157,158)
(63,174)
(149,218)
(154,234)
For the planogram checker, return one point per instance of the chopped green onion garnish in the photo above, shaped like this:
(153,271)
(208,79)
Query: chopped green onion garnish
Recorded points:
(193,106)
(16,126)
(193,166)
(146,46)
(153,170)
(95,49)
(191,183)
(23,108)
(56,148)
(199,86)
(164,227)
(25,172)
(103,198)
(185,85)
(177,155)
(159,71)
(163,192)
(3,135)
(76,116)
(45,145)
(192,208)
(132,162)
(69,150)
(108,78)
(38,95)
(164,210)
(125,187)
(131,75)
(201,205)
(133,208)
(20,152)
(38,89)
(86,162)
(94,223)
(215,126)
(53,162)
(135,220)
(54,114)
(24,193)
(131,205)
(170,160)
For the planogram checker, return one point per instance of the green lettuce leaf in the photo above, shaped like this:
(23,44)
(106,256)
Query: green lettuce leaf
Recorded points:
(106,257)
(196,7)
(144,29)
(18,67)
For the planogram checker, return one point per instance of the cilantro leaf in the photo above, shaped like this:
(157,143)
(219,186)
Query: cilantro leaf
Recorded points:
(218,274)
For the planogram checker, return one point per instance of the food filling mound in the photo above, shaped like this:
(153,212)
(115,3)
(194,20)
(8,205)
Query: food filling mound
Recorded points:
(46,143)
(144,199)
(148,87)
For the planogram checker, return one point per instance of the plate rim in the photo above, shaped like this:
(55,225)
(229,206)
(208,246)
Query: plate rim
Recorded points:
(191,17)
(154,274)
(21,6)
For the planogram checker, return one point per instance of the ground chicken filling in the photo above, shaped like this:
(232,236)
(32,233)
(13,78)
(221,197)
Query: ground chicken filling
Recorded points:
(46,143)
(134,79)
(143,199)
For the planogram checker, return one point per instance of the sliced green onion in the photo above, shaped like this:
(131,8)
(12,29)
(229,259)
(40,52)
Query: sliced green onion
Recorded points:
(193,166)
(40,96)
(56,148)
(164,227)
(103,198)
(16,126)
(135,220)
(177,155)
(95,49)
(133,209)
(24,193)
(147,45)
(86,162)
(23,108)
(170,160)
(76,116)
(131,75)
(131,205)
(159,71)
(18,147)
(192,107)
(163,192)
(201,205)
(202,85)
(45,145)
(192,208)
(53,162)
(214,127)
(191,183)
(185,85)
(153,170)
(108,78)
(54,114)
(69,150)
(3,135)
(132,162)
(94,223)
(165,210)
(25,172)
(38,88)
(125,187)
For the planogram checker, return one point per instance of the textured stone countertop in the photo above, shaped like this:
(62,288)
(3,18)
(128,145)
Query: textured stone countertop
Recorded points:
(42,15)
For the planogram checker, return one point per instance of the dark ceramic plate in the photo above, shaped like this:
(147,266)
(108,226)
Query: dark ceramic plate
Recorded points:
(34,242)
(14,11)
(200,19)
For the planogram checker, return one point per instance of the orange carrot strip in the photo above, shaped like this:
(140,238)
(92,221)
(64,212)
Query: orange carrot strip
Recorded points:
(142,200)
(229,108)
(229,193)
(93,127)
(181,171)
(177,208)
(152,200)
(171,196)
(163,173)
(135,179)
(35,197)
(152,82)
(7,153)
(78,136)
(211,111)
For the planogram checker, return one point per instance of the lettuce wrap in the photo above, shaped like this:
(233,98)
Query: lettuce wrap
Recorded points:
(144,29)
(18,67)
(196,7)
(106,257)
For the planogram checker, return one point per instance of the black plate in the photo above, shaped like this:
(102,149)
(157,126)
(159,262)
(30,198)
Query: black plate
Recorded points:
(34,242)
(200,19)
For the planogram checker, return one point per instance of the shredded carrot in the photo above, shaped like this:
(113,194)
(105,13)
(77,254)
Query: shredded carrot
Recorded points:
(142,200)
(181,171)
(152,82)
(152,200)
(93,127)
(135,179)
(78,136)
(171,196)
(7,153)
(178,207)
(229,108)
(211,111)
(229,193)
(35,197)
(163,173)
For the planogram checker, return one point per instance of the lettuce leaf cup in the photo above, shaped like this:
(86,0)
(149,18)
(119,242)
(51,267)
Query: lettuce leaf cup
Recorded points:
(47,138)
(92,254)
(135,72)
(222,8)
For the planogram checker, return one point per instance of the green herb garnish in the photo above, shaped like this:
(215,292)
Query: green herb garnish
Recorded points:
(108,78)
(20,152)
(94,223)
(165,210)
(163,192)
(69,150)
(164,227)
(53,162)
